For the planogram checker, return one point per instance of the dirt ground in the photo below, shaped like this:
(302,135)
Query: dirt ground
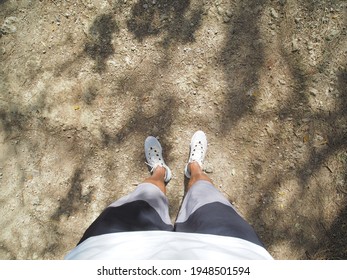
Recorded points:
(83,83)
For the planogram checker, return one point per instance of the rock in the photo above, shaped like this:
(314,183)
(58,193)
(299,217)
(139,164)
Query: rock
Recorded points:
(229,13)
(273,13)
(310,46)
(226,19)
(208,169)
(332,35)
(220,10)
(270,128)
(295,45)
(8,26)
(313,91)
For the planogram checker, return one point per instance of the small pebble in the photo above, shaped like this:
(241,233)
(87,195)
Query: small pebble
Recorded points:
(313,91)
(273,13)
(208,169)
(295,45)
(229,13)
(220,10)
(226,19)
(310,46)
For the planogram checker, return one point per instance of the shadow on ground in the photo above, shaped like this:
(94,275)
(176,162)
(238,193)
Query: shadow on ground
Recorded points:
(100,47)
(175,21)
(329,243)
(241,58)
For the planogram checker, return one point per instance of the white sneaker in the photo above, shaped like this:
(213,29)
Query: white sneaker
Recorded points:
(154,156)
(198,148)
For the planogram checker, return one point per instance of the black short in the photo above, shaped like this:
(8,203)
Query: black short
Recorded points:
(204,210)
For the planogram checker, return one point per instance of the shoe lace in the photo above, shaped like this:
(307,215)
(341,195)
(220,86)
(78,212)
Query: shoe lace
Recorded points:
(154,166)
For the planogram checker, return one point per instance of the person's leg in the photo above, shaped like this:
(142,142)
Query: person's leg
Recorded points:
(205,210)
(146,208)
(157,178)
(196,174)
